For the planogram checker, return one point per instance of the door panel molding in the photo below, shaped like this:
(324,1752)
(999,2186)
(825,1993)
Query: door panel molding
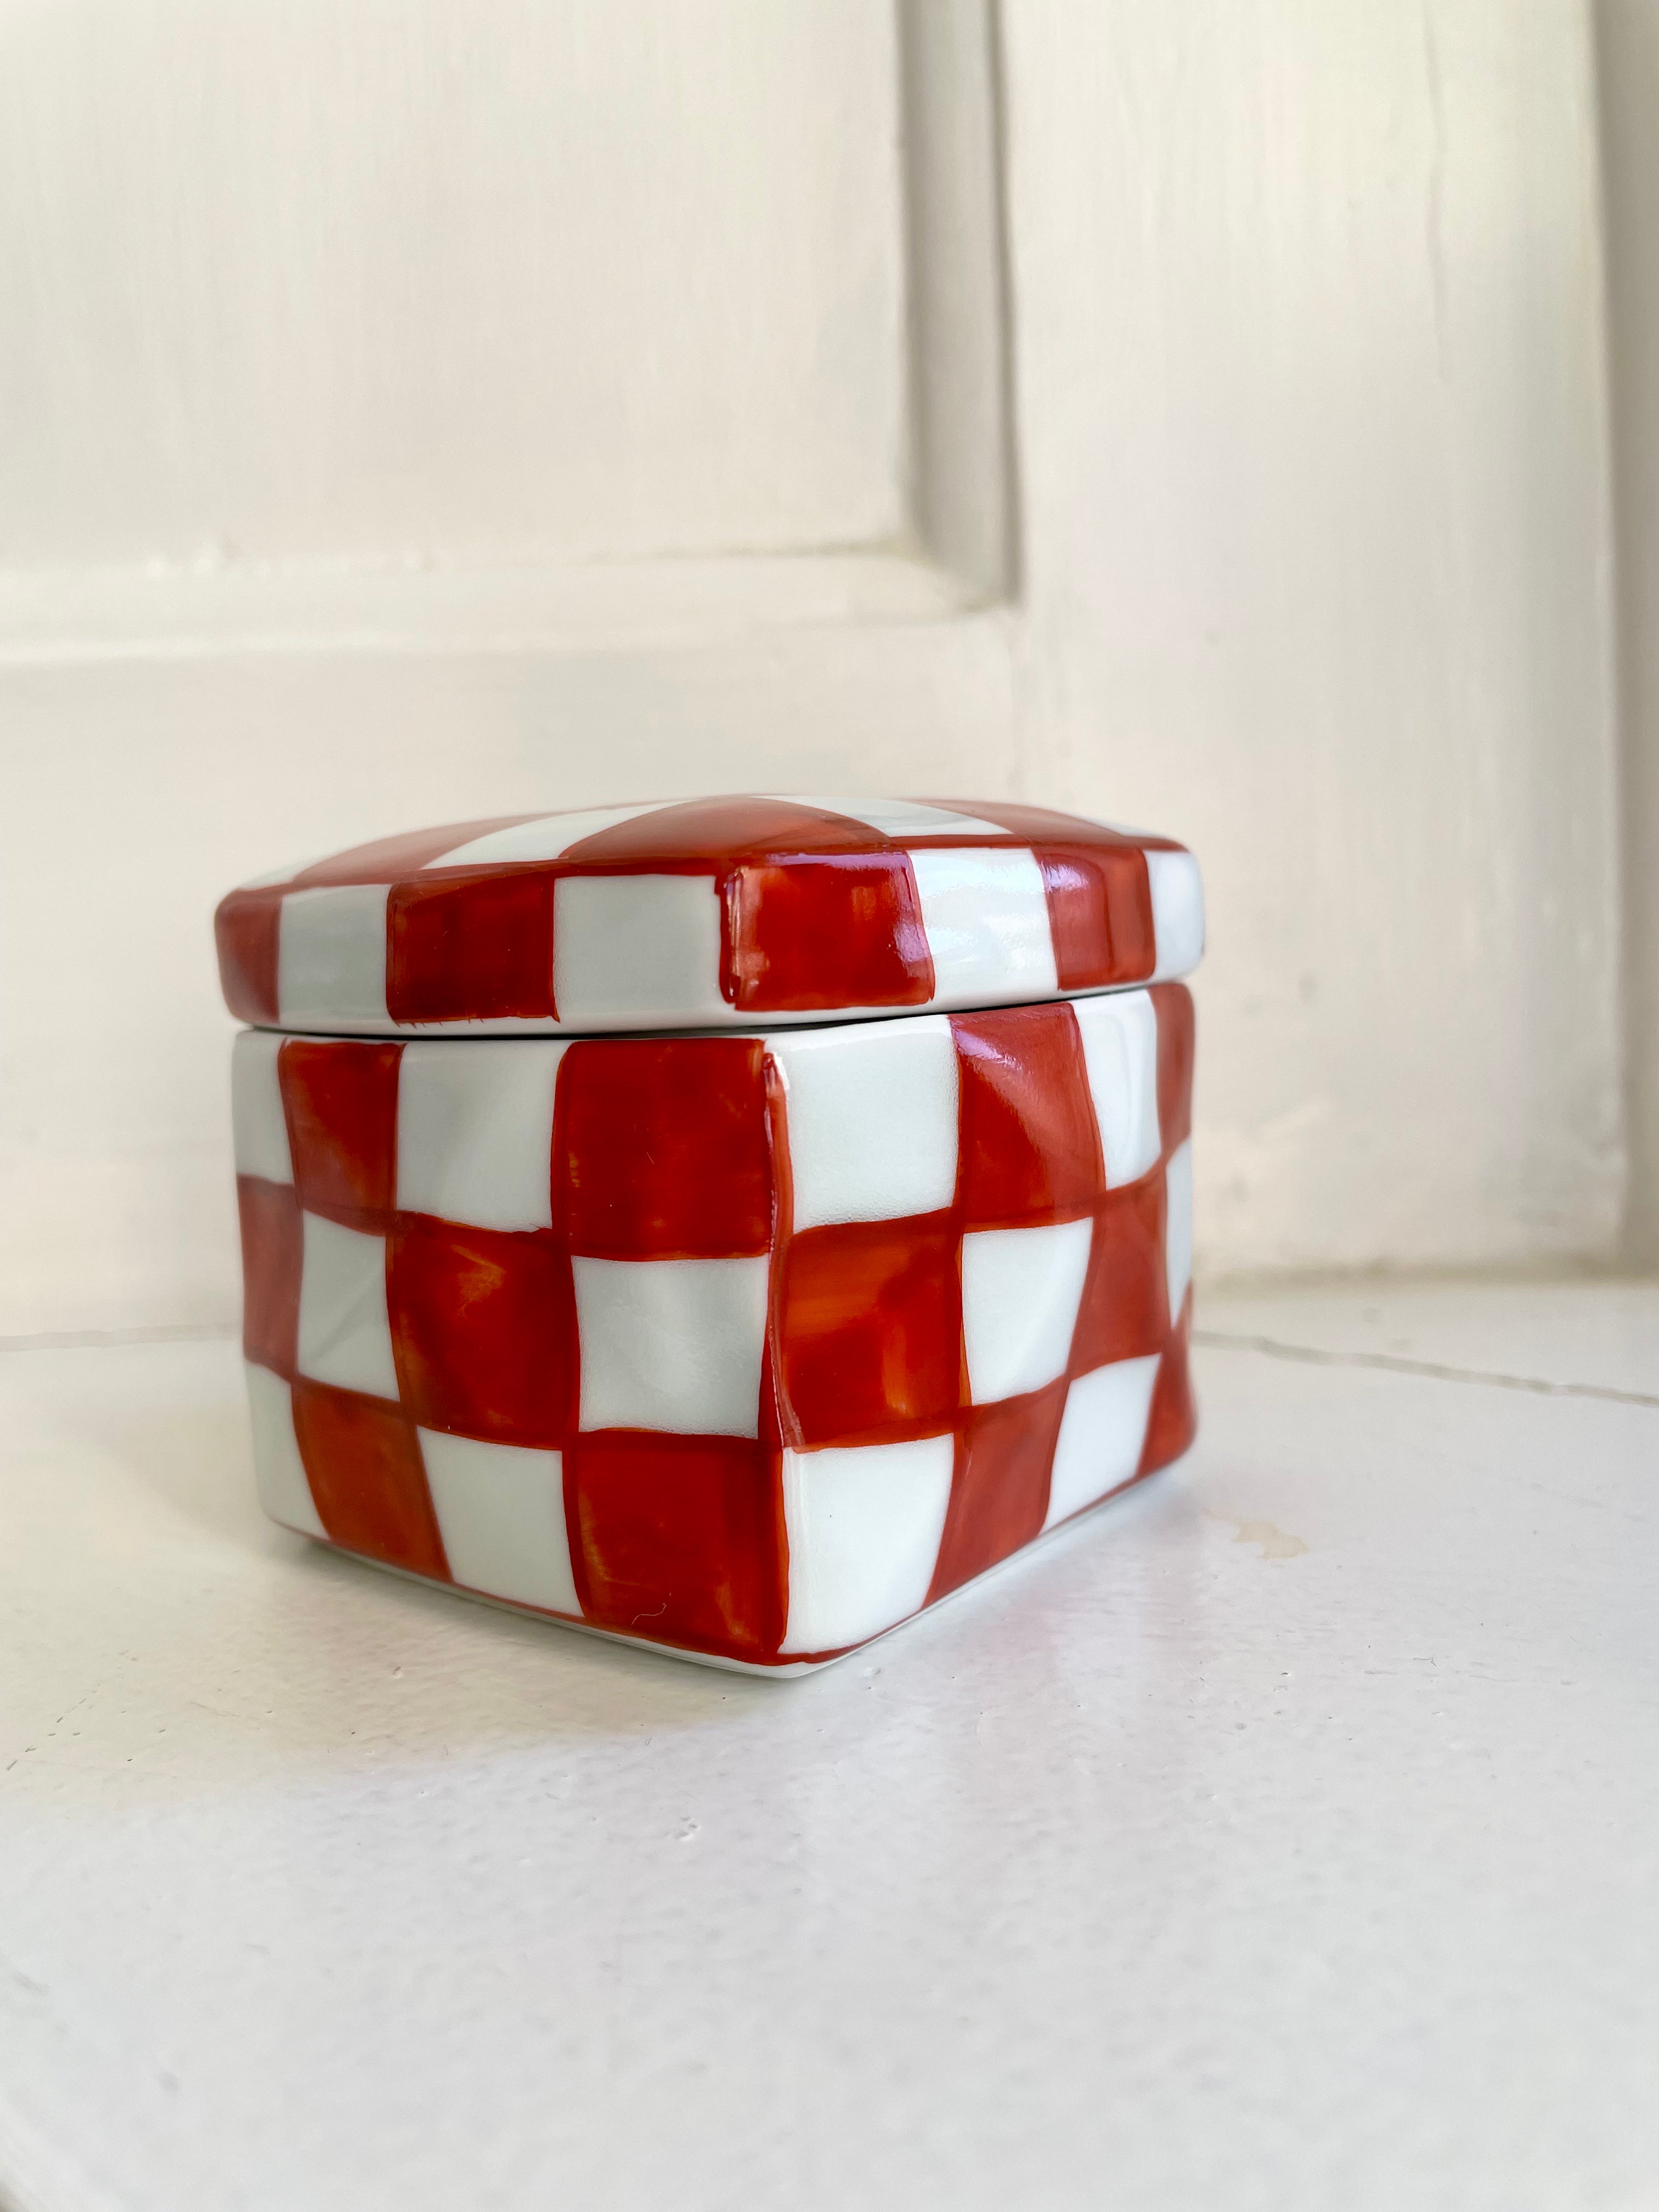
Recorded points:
(954,552)
(964,486)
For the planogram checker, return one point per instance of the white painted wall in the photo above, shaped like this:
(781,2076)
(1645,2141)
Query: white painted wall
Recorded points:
(412,412)
(1314,450)
(363,280)
(1628,55)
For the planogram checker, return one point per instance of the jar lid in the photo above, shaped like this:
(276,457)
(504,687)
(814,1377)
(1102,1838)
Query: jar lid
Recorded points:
(708,912)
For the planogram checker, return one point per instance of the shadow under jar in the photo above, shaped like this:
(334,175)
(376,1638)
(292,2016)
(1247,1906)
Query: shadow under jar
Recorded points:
(731,1224)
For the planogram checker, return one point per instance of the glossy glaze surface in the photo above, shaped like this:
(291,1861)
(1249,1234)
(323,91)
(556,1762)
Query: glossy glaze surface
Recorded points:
(708,912)
(749,1345)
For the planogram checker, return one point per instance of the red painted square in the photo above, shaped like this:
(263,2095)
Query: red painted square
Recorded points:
(1176,1044)
(1000,1491)
(1129,913)
(245,929)
(1100,912)
(483,1329)
(476,948)
(1173,1421)
(341,1101)
(270,1217)
(831,932)
(363,1462)
(699,832)
(662,1149)
(870,1331)
(1123,1314)
(1029,1149)
(680,1539)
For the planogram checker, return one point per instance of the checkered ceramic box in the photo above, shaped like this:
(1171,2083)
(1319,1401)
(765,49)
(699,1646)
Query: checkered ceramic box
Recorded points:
(749,1345)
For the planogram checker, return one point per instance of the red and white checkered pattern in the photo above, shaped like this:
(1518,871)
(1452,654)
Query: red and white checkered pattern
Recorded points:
(707,913)
(749,1345)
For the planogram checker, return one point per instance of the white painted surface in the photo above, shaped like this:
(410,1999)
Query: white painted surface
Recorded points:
(1281,1836)
(1306,504)
(400,283)
(1312,448)
(1598,1340)
(1627,53)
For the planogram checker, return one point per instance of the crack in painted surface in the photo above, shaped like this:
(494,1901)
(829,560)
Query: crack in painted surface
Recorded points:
(1394,1363)
(93,1339)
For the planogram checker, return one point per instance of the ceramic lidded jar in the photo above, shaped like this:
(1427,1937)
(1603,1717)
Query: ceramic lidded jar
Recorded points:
(732,1224)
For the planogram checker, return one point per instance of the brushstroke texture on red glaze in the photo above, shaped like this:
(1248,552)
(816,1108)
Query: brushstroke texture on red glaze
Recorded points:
(820,913)
(679,1539)
(341,1110)
(670,1149)
(470,950)
(999,1489)
(663,1152)
(245,931)
(362,1460)
(834,932)
(484,1330)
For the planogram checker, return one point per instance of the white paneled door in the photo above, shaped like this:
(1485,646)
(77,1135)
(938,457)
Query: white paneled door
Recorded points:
(1190,415)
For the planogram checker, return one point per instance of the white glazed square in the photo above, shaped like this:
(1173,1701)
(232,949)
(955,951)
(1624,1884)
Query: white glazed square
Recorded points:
(672,1344)
(331,962)
(642,946)
(475,1131)
(501,1513)
(345,1337)
(1103,1433)
(864,1526)
(986,915)
(872,1120)
(1120,1051)
(1020,1290)
(1177,890)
